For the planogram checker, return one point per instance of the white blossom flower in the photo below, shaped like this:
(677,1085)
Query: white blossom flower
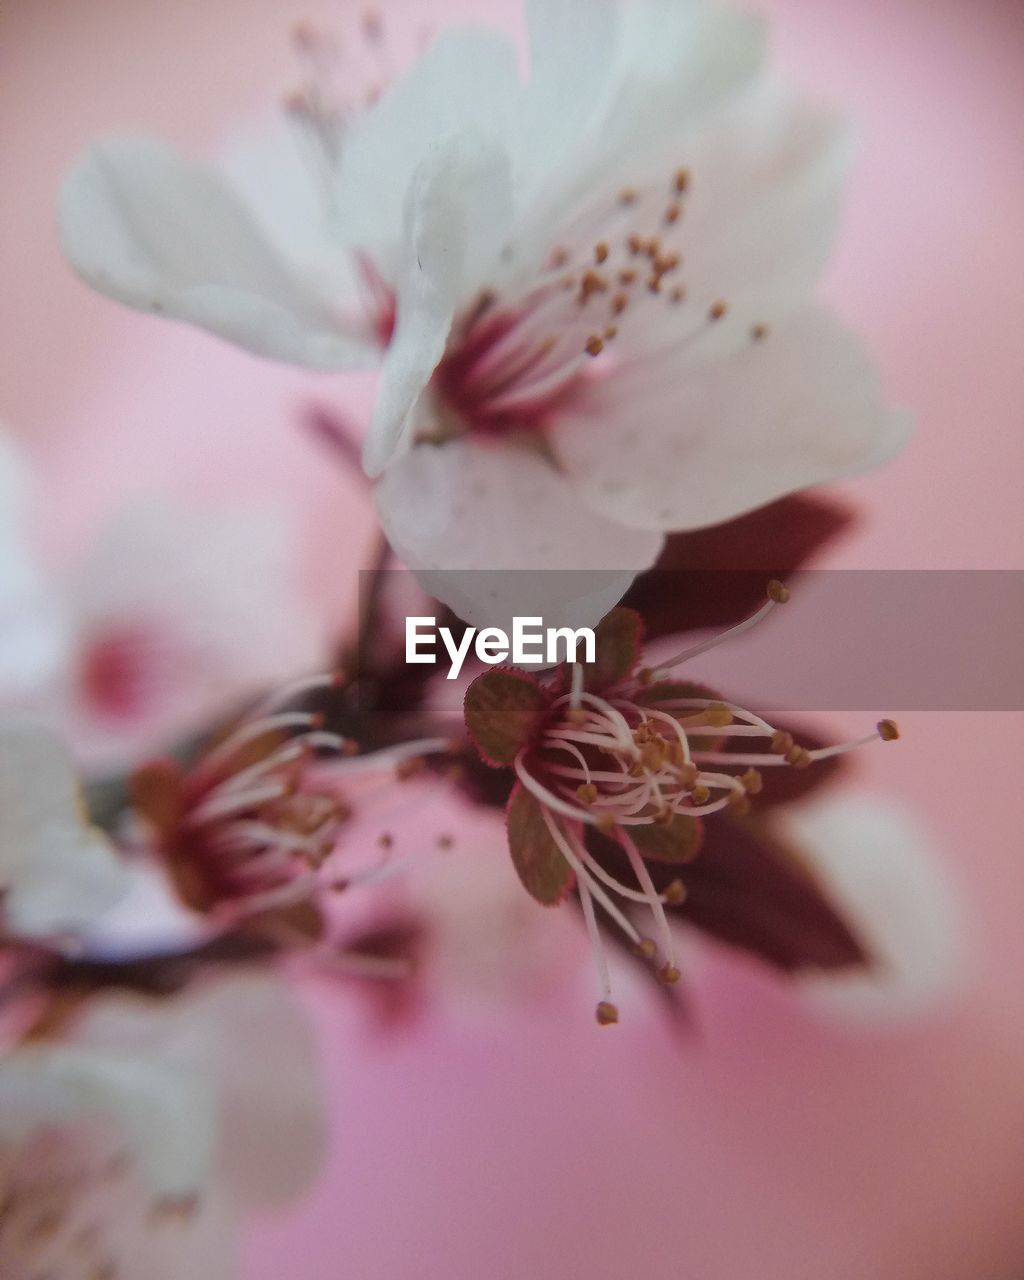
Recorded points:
(128,1149)
(32,639)
(57,875)
(878,865)
(170,617)
(593,283)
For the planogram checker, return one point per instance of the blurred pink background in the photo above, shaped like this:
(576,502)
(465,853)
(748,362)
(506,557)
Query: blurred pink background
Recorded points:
(539,1146)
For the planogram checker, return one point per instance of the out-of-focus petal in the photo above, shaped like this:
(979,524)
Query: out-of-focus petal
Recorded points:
(33,635)
(662,446)
(201,609)
(248,1040)
(165,1114)
(145,226)
(467,79)
(465,515)
(57,874)
(573,45)
(876,863)
(678,62)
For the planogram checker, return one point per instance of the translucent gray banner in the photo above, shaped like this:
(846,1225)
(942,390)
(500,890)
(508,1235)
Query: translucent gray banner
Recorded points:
(847,640)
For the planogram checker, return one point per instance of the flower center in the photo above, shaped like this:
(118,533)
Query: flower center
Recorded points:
(250,827)
(123,671)
(513,365)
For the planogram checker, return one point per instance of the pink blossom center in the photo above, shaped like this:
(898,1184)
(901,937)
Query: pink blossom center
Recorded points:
(124,671)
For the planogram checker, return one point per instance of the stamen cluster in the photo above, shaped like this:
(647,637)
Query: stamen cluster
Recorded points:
(251,825)
(632,756)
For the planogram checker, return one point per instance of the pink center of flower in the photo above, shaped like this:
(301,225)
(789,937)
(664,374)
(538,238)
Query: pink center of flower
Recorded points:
(252,824)
(123,671)
(516,365)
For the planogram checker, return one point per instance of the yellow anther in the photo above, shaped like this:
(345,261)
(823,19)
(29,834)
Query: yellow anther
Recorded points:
(718,715)
(675,893)
(759,332)
(778,593)
(607,1014)
(781,742)
(738,803)
(799,757)
(688,775)
(681,182)
(700,794)
(646,949)
(601,252)
(888,730)
(586,793)
(668,975)
(752,782)
(595,345)
(717,310)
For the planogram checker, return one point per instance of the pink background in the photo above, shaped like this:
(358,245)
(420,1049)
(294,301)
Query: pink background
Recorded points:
(538,1146)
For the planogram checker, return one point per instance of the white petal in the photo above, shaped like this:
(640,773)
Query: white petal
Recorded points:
(272,1114)
(247,1039)
(57,874)
(668,445)
(166,1114)
(196,587)
(677,63)
(680,59)
(878,866)
(466,80)
(483,526)
(457,213)
(761,211)
(152,230)
(33,631)
(572,56)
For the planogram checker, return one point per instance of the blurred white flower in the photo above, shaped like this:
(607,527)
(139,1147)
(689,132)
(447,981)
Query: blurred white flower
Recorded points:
(592,285)
(128,1150)
(57,875)
(32,639)
(169,618)
(879,868)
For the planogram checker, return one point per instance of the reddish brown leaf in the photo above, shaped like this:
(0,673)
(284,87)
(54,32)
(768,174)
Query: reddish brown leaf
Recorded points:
(545,874)
(673,842)
(618,638)
(504,711)
(750,891)
(716,577)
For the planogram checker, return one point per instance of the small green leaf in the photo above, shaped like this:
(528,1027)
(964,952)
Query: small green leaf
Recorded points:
(676,841)
(504,711)
(618,637)
(538,861)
